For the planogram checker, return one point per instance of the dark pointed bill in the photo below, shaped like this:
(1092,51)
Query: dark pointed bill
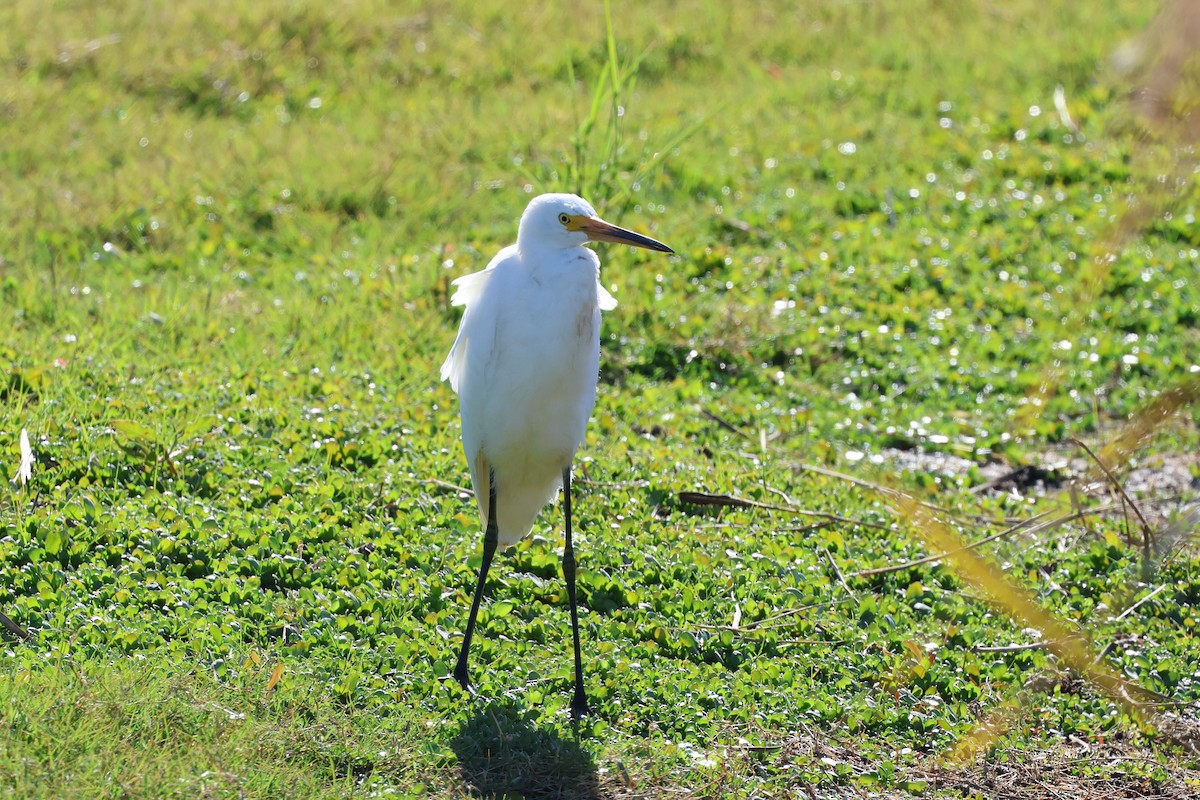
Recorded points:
(598,230)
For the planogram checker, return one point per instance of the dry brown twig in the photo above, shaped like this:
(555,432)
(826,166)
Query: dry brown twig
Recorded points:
(1147,533)
(729,501)
(14,628)
(1018,528)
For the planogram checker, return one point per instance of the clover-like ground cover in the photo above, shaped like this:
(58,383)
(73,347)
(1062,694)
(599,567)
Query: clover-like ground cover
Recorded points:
(242,559)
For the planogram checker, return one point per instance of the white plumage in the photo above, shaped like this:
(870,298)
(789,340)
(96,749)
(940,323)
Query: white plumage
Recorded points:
(525,366)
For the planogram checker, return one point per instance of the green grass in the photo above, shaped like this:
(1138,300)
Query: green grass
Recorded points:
(228,236)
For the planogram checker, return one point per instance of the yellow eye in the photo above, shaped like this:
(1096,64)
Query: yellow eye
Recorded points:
(564,218)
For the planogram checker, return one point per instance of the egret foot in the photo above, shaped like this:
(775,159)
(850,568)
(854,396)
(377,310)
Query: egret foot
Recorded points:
(579,705)
(460,675)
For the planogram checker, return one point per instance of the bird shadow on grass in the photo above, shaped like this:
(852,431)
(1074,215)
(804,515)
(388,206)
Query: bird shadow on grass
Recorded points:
(502,752)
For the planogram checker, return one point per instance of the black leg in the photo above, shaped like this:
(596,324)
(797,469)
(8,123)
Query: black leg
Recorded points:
(579,703)
(490,537)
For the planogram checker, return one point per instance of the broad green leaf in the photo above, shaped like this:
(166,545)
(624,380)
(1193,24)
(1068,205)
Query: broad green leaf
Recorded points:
(132,430)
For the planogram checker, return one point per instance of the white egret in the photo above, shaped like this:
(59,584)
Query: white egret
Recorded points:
(525,366)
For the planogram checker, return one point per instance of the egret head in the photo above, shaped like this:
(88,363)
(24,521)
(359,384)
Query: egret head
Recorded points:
(559,221)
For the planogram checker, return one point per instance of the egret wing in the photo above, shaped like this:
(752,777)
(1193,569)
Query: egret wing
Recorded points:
(473,334)
(603,299)
(469,357)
